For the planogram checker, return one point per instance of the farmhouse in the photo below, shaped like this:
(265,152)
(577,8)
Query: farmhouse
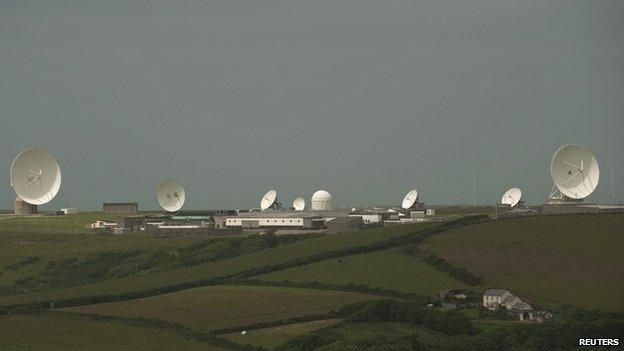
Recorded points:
(494,299)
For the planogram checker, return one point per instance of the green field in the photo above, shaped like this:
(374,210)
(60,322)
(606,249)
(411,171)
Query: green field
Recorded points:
(548,260)
(225,306)
(61,333)
(391,269)
(71,222)
(573,259)
(274,336)
(224,267)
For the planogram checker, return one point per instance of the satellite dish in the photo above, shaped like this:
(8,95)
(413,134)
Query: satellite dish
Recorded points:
(268,200)
(512,197)
(410,199)
(299,204)
(35,176)
(575,171)
(171,195)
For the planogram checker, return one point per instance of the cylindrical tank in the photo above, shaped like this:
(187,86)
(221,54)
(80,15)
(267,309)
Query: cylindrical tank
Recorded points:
(321,201)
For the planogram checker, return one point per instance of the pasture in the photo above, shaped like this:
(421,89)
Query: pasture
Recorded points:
(228,266)
(390,269)
(224,306)
(49,332)
(572,259)
(274,336)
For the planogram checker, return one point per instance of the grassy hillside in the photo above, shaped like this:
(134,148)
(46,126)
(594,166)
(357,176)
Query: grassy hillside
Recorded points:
(224,267)
(391,269)
(274,336)
(574,259)
(61,333)
(225,306)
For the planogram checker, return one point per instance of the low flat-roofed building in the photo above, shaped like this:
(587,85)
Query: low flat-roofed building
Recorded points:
(121,207)
(281,219)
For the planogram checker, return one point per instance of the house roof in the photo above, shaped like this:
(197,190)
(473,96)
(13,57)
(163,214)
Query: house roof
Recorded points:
(521,307)
(495,292)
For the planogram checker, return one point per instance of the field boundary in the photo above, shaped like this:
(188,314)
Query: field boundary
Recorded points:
(411,238)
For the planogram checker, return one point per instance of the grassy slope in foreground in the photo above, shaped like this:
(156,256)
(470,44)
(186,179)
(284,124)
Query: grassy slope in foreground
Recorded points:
(15,247)
(574,259)
(49,332)
(225,306)
(274,336)
(234,265)
(391,269)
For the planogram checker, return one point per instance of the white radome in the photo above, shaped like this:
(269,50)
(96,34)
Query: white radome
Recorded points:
(35,176)
(512,197)
(170,195)
(575,171)
(321,201)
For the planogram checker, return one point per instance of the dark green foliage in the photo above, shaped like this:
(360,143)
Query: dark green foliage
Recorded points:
(460,274)
(26,261)
(328,339)
(377,311)
(100,266)
(555,336)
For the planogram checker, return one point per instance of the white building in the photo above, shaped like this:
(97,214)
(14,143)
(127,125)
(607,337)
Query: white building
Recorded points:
(282,219)
(369,218)
(494,299)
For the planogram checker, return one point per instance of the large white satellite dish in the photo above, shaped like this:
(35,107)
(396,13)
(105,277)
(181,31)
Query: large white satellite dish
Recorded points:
(512,197)
(299,204)
(35,176)
(171,195)
(410,199)
(575,171)
(268,200)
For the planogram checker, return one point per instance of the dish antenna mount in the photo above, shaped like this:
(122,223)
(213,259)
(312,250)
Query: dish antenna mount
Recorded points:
(410,201)
(299,204)
(575,174)
(512,198)
(269,201)
(35,176)
(171,195)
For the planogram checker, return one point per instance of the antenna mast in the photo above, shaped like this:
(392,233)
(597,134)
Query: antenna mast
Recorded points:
(612,185)
(474,191)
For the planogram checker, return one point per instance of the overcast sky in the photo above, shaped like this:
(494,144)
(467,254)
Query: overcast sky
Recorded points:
(363,98)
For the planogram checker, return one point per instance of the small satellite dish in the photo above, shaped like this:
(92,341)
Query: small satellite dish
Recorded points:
(299,204)
(35,176)
(171,195)
(575,171)
(268,200)
(410,199)
(512,197)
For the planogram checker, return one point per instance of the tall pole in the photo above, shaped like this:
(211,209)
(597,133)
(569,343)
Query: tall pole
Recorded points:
(612,185)
(474,189)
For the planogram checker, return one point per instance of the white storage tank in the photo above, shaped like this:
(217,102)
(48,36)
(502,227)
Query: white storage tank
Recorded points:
(321,201)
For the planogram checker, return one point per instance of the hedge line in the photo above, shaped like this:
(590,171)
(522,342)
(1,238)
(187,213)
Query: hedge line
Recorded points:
(383,245)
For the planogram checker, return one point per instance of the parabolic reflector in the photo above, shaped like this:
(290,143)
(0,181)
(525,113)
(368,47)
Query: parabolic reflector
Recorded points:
(171,195)
(35,176)
(268,199)
(410,199)
(512,197)
(299,204)
(575,171)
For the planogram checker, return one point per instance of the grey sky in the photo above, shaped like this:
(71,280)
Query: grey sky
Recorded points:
(364,98)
